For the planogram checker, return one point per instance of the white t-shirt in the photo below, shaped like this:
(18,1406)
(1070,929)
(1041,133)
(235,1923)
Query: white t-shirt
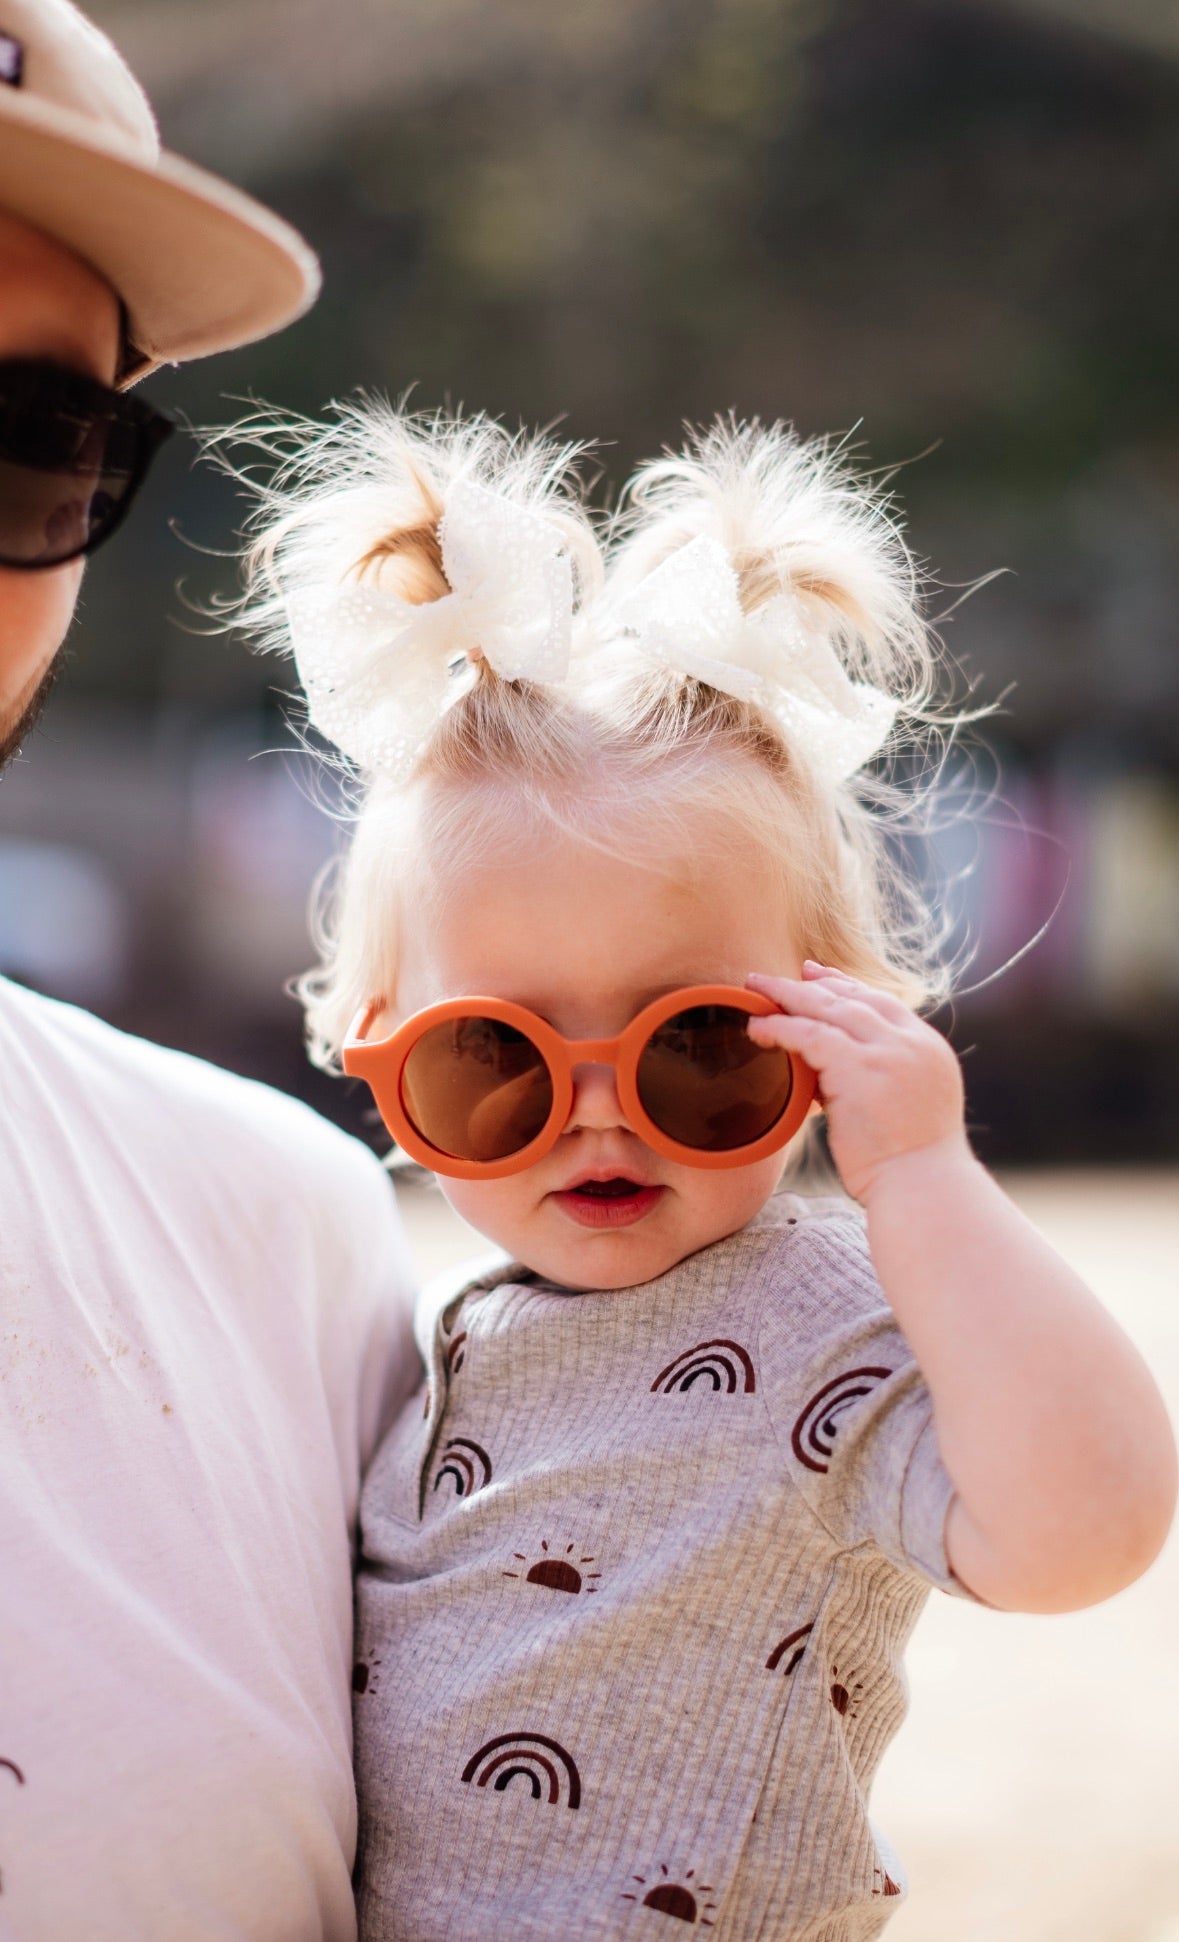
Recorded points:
(204,1327)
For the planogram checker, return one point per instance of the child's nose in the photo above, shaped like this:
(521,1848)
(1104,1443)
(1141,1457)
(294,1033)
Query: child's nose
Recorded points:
(596,1105)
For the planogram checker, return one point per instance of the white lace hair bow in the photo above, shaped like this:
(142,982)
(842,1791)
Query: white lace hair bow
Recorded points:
(687,614)
(376,670)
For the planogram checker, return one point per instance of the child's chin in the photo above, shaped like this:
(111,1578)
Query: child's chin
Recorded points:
(603,1262)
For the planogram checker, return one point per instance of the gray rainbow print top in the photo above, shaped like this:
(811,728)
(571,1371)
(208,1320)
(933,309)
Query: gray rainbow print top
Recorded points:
(638,1571)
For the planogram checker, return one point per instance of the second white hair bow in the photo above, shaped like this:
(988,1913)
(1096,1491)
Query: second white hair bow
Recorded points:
(376,669)
(687,614)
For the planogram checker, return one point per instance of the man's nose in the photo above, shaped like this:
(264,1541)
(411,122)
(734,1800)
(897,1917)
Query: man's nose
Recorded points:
(596,1106)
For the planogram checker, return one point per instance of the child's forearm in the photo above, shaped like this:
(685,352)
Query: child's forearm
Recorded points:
(1052,1429)
(1048,1421)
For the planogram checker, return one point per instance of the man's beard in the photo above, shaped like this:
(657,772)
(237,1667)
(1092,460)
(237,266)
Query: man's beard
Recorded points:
(11,738)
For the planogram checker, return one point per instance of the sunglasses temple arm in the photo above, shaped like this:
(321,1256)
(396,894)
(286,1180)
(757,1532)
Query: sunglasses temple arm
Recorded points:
(357,1054)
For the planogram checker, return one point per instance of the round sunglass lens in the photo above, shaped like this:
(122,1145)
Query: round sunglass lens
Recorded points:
(705,1084)
(476,1089)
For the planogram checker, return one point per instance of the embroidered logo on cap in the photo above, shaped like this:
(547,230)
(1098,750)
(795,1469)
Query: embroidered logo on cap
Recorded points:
(12,59)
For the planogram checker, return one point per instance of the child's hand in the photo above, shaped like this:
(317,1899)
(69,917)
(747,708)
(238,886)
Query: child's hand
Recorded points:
(889,1084)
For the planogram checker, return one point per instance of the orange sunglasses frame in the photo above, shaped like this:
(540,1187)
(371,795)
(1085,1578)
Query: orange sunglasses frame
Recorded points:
(382,1062)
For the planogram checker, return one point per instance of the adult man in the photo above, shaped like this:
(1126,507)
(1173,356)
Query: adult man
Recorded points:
(203,1292)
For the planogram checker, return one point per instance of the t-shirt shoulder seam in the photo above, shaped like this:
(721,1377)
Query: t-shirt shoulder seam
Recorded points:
(817,1237)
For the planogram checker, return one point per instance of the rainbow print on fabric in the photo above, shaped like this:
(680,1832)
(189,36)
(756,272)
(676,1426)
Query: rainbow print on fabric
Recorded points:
(543,1763)
(719,1365)
(467,1464)
(791,1648)
(813,1436)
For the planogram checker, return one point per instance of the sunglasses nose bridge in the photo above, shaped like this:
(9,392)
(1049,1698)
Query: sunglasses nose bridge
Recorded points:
(592,1051)
(595,1084)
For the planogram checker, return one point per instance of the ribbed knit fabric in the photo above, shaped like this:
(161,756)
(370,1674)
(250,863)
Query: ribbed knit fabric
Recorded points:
(638,1571)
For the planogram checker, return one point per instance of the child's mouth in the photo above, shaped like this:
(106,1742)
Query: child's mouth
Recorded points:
(615,1202)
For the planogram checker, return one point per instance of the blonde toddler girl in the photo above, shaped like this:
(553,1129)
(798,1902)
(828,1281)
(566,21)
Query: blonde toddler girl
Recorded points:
(641,1559)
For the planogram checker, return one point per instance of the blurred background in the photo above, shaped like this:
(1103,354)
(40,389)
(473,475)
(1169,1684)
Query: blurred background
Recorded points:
(950,225)
(947,226)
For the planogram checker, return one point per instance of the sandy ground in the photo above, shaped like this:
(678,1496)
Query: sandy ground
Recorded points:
(1034,1791)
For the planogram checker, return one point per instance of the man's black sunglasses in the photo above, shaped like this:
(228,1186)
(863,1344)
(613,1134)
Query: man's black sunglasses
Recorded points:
(73,454)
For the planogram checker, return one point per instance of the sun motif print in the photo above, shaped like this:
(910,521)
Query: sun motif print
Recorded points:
(364,1675)
(558,1573)
(845,1699)
(883,1883)
(675,1898)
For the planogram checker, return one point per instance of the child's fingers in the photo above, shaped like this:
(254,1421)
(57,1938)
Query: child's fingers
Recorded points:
(823,999)
(821,1044)
(884,1002)
(811,968)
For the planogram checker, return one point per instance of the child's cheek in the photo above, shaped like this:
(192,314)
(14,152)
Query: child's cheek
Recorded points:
(496,1209)
(736,1197)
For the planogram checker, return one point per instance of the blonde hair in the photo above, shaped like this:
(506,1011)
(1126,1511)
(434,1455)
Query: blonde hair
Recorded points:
(618,755)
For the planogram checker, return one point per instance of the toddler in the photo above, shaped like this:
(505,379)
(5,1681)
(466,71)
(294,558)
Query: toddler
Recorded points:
(620,911)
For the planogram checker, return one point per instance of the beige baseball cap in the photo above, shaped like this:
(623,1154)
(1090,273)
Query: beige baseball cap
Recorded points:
(200,266)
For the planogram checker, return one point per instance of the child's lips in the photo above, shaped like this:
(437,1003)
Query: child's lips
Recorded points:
(602,1200)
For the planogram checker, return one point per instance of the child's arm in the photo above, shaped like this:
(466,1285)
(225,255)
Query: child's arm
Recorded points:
(1049,1423)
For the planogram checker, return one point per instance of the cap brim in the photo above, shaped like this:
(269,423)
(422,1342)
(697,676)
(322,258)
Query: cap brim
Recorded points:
(200,266)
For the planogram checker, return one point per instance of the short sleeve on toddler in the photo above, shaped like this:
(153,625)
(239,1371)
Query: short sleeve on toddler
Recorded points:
(850,1406)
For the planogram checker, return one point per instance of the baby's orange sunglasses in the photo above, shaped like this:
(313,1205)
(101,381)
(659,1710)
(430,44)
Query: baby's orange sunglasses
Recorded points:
(478,1088)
